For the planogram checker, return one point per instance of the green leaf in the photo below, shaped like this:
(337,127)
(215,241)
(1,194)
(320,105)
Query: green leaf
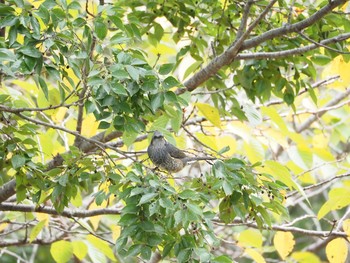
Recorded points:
(4,97)
(118,89)
(203,254)
(320,59)
(135,250)
(192,68)
(36,230)
(147,197)
(166,68)
(195,209)
(6,55)
(117,21)
(167,248)
(166,203)
(21,193)
(184,255)
(61,251)
(288,98)
(5,10)
(222,259)
(224,150)
(170,82)
(18,161)
(133,72)
(100,28)
(189,194)
(158,31)
(312,95)
(30,51)
(44,87)
(157,101)
(146,252)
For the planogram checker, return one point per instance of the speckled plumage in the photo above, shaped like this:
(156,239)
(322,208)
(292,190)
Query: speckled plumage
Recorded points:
(166,156)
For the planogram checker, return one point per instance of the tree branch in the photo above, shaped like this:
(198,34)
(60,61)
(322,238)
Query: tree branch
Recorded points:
(316,116)
(319,44)
(296,27)
(244,20)
(319,184)
(241,44)
(296,230)
(294,51)
(51,211)
(225,59)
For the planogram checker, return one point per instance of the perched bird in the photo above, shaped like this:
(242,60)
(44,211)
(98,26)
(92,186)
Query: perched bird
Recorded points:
(166,156)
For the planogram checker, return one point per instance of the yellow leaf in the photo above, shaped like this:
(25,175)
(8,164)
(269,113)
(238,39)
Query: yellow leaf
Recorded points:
(305,257)
(276,118)
(115,231)
(250,238)
(43,217)
(255,255)
(227,141)
(90,126)
(306,155)
(59,114)
(320,141)
(77,200)
(80,249)
(36,230)
(277,137)
(324,154)
(280,172)
(284,243)
(61,251)
(211,113)
(3,226)
(207,140)
(346,226)
(254,150)
(241,130)
(338,198)
(338,67)
(102,246)
(337,251)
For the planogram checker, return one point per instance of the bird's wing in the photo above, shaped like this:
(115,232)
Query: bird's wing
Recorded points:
(174,152)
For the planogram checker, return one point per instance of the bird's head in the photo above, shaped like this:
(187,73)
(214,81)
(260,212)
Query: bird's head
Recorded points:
(158,135)
(158,138)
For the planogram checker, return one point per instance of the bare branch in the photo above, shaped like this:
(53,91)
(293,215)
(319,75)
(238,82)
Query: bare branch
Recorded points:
(297,230)
(316,116)
(294,51)
(322,45)
(320,183)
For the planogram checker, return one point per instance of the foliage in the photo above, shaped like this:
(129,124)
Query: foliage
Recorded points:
(84,84)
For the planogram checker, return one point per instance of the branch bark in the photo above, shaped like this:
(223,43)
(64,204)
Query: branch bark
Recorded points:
(297,230)
(241,44)
(294,51)
(51,211)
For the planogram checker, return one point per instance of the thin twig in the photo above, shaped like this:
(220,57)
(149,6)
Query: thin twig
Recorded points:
(322,45)
(320,183)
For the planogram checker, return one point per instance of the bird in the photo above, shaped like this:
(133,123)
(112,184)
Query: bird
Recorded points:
(166,156)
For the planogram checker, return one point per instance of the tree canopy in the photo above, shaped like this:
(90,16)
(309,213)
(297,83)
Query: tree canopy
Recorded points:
(262,86)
